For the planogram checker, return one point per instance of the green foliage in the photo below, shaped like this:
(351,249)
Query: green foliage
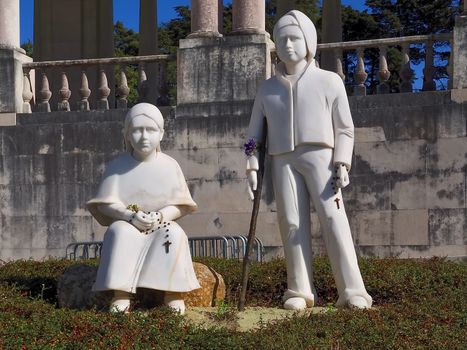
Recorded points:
(419,304)
(28,47)
(414,17)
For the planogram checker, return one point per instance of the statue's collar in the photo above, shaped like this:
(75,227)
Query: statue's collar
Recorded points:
(281,72)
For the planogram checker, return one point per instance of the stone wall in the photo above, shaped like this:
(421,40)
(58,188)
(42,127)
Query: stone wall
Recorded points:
(407,195)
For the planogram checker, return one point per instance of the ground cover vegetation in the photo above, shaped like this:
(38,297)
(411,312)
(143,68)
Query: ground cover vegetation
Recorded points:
(419,304)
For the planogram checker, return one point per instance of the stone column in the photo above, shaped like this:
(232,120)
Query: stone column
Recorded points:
(220,17)
(284,6)
(459,57)
(148,45)
(12,58)
(248,17)
(331,31)
(204,18)
(9,22)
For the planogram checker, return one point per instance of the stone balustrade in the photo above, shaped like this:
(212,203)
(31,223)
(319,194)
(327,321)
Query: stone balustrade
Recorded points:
(406,73)
(121,91)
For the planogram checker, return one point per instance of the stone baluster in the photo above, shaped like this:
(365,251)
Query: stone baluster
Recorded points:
(123,90)
(360,74)
(339,67)
(27,92)
(450,67)
(405,72)
(44,94)
(205,18)
(428,72)
(64,94)
(84,93)
(143,85)
(248,17)
(104,91)
(163,98)
(383,72)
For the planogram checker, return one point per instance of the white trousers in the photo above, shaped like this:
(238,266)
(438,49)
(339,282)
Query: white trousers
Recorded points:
(304,174)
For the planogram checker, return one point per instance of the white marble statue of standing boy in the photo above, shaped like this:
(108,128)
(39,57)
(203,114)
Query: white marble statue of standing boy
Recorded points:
(141,194)
(310,142)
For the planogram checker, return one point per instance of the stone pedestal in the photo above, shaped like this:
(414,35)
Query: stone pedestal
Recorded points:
(220,76)
(11,83)
(459,57)
(74,290)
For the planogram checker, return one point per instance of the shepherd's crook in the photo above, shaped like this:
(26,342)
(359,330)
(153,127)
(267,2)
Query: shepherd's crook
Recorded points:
(254,216)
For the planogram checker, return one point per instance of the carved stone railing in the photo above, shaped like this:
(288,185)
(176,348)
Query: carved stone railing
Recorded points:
(122,91)
(405,71)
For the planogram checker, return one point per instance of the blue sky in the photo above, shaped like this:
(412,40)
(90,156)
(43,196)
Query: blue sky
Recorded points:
(127,11)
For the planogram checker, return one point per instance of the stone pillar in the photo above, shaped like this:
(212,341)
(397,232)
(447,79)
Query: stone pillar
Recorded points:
(148,45)
(284,6)
(248,17)
(331,31)
(220,17)
(12,58)
(459,57)
(72,29)
(9,22)
(204,18)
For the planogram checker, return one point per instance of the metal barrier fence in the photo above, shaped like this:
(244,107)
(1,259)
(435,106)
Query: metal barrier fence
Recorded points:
(227,247)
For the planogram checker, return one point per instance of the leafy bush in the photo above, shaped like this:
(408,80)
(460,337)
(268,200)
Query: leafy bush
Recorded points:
(419,304)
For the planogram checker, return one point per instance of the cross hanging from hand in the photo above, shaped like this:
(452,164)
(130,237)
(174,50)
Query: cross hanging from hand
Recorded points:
(167,245)
(337,202)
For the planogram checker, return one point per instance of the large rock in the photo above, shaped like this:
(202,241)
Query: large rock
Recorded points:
(74,290)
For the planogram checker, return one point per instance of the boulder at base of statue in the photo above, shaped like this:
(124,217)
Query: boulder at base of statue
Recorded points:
(74,290)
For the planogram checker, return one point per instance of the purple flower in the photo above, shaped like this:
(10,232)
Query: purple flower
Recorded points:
(250,147)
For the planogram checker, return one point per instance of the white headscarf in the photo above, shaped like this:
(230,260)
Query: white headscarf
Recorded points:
(305,24)
(145,109)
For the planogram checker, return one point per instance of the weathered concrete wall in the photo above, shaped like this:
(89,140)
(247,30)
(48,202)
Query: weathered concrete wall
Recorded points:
(407,194)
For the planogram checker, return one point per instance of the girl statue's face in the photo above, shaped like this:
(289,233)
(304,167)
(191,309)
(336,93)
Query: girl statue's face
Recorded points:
(291,45)
(144,136)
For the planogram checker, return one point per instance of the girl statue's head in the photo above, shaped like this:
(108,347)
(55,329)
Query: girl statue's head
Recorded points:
(143,130)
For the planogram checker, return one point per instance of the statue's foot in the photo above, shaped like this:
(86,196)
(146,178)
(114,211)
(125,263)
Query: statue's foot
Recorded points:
(295,303)
(121,302)
(357,302)
(175,302)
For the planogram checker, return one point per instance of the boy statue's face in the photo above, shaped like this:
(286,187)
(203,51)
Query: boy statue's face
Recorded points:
(290,45)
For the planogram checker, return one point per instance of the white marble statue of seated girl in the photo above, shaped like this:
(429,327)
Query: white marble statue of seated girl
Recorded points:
(144,248)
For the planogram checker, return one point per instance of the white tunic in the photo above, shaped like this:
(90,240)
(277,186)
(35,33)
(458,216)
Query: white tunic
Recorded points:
(131,259)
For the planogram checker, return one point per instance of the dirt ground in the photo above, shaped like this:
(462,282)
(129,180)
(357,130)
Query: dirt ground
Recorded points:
(250,318)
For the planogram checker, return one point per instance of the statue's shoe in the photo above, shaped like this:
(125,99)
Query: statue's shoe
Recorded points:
(173,301)
(295,303)
(357,302)
(120,305)
(121,302)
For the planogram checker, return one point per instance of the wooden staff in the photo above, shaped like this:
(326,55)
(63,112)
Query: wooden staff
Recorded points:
(254,217)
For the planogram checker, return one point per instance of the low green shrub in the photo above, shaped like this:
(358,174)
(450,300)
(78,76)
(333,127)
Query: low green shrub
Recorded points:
(420,304)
